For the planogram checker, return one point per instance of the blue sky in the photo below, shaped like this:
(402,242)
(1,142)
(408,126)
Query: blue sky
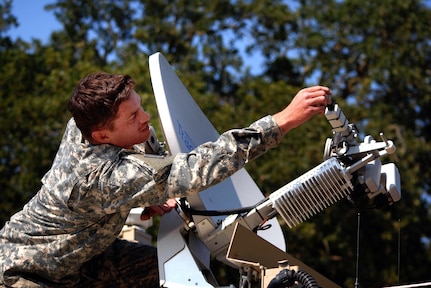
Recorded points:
(34,21)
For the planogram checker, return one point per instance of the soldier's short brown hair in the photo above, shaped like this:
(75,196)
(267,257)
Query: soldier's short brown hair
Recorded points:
(95,100)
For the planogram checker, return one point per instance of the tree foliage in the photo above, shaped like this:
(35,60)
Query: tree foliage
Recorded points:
(375,56)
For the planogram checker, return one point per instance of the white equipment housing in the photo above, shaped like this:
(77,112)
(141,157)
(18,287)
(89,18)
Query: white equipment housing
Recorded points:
(188,239)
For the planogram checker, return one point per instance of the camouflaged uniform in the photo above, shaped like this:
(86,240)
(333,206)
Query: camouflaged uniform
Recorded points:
(88,193)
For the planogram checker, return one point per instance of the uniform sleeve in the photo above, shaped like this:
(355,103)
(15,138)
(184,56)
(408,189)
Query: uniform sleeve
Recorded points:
(118,185)
(133,182)
(212,162)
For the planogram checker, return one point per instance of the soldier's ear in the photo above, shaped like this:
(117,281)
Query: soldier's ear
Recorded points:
(101,136)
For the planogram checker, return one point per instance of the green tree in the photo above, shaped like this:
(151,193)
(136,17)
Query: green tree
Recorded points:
(7,21)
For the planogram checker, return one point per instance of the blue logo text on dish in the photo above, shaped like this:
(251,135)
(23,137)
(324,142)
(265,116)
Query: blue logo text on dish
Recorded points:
(185,138)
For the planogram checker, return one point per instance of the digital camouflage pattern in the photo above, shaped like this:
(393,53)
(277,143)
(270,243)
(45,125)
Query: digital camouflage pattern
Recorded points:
(86,197)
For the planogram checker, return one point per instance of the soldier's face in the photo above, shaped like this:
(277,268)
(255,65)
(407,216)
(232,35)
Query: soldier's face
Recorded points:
(130,126)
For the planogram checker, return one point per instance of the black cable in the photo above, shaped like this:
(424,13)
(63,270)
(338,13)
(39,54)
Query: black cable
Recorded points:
(219,212)
(241,210)
(286,278)
(357,251)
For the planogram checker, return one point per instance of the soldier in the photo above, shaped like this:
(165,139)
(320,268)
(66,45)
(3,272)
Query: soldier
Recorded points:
(66,235)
